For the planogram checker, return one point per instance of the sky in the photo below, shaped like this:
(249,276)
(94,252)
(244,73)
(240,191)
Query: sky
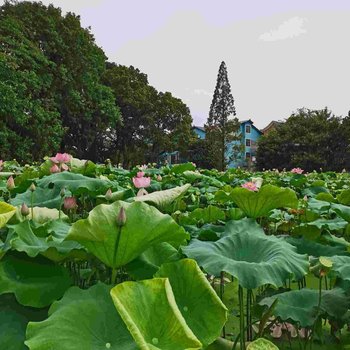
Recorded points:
(281,55)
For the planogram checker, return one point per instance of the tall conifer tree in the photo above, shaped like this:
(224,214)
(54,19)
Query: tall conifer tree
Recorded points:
(222,126)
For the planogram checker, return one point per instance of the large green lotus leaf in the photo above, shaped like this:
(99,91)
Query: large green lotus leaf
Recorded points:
(258,204)
(261,344)
(301,305)
(220,344)
(116,246)
(49,246)
(341,267)
(6,213)
(149,310)
(76,183)
(199,304)
(82,166)
(317,206)
(206,215)
(344,197)
(304,246)
(237,227)
(180,168)
(342,210)
(42,197)
(14,318)
(35,282)
(82,319)
(149,262)
(162,199)
(254,259)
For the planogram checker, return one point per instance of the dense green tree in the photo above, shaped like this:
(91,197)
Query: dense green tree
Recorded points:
(152,121)
(310,139)
(30,124)
(68,78)
(222,127)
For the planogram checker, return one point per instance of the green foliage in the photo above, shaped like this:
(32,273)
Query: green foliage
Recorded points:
(310,139)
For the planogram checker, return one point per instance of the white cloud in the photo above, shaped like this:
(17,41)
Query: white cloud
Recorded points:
(202,92)
(291,28)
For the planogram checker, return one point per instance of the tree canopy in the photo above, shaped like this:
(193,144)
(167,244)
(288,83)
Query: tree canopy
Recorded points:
(310,139)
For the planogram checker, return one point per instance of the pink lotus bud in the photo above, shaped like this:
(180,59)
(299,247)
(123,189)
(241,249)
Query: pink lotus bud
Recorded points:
(159,178)
(70,203)
(54,169)
(24,209)
(10,184)
(32,187)
(121,218)
(109,195)
(140,174)
(141,182)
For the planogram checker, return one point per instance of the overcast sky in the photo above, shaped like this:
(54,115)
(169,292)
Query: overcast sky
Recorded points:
(281,54)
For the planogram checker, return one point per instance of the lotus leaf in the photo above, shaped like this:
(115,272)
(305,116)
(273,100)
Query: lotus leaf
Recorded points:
(35,282)
(162,199)
(149,262)
(118,245)
(50,247)
(83,319)
(301,305)
(254,259)
(261,344)
(14,318)
(200,306)
(208,214)
(6,213)
(258,204)
(152,316)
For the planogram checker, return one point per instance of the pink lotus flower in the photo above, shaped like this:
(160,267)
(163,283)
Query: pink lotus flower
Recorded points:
(60,161)
(140,174)
(1,164)
(10,184)
(297,171)
(54,169)
(61,158)
(141,182)
(251,186)
(70,203)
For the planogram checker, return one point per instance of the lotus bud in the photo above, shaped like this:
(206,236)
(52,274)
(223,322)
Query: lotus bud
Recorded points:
(63,192)
(10,184)
(109,195)
(121,218)
(70,203)
(24,210)
(159,178)
(32,187)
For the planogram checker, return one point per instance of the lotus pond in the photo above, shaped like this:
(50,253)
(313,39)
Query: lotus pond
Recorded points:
(95,257)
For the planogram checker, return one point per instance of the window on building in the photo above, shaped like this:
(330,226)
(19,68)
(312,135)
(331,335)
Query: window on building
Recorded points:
(247,155)
(247,129)
(247,142)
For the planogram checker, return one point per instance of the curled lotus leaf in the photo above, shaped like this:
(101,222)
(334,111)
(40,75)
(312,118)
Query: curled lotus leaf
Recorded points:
(199,304)
(259,204)
(116,245)
(152,316)
(6,213)
(254,259)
